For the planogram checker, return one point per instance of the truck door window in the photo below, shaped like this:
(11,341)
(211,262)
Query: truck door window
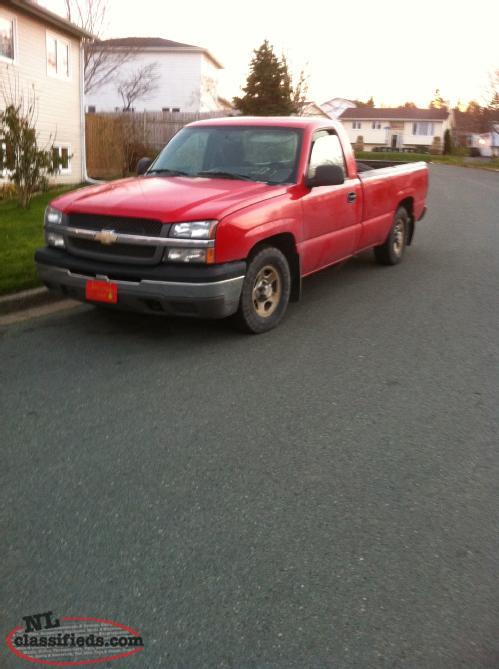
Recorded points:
(326,150)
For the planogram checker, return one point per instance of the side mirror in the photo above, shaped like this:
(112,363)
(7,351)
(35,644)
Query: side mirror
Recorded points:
(142,166)
(326,175)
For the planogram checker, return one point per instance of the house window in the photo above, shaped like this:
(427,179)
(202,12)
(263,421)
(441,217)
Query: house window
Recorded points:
(91,109)
(57,57)
(170,109)
(3,159)
(62,154)
(7,46)
(422,128)
(376,125)
(356,125)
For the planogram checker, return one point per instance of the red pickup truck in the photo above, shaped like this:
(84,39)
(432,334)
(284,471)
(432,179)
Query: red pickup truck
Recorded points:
(228,220)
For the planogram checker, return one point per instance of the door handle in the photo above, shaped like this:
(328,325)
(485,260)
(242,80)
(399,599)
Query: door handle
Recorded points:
(351,197)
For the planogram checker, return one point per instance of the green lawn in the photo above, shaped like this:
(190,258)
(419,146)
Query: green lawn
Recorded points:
(21,232)
(463,161)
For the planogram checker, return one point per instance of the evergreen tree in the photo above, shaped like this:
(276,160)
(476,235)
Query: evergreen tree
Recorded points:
(447,142)
(438,102)
(494,103)
(360,104)
(269,89)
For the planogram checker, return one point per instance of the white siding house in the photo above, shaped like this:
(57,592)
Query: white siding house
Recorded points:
(40,56)
(487,143)
(396,128)
(187,77)
(336,106)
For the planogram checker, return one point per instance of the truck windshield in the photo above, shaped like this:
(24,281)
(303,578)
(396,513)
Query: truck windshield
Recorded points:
(250,153)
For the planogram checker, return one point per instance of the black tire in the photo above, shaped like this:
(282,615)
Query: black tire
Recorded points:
(392,251)
(265,292)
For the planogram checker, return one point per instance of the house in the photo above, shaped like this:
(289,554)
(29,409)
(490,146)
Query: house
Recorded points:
(313,109)
(186,77)
(487,143)
(41,57)
(336,106)
(476,130)
(397,128)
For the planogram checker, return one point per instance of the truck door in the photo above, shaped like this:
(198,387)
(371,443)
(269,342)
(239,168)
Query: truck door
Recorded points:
(331,214)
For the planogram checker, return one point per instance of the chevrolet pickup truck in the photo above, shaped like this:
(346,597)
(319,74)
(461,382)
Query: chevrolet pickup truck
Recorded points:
(228,219)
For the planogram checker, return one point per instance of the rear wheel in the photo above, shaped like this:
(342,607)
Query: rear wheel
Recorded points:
(392,251)
(265,292)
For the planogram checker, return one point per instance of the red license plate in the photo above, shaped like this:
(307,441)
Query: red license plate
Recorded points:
(101,291)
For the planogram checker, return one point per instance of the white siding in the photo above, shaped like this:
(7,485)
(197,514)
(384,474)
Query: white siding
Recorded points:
(382,137)
(188,81)
(366,131)
(58,100)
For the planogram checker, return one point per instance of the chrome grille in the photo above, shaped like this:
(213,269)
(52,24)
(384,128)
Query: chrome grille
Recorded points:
(121,250)
(124,225)
(141,254)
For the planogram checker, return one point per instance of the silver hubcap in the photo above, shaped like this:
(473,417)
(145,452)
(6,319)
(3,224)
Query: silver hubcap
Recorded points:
(267,291)
(398,237)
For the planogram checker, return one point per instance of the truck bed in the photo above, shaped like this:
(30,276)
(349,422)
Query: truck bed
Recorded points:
(389,181)
(365,165)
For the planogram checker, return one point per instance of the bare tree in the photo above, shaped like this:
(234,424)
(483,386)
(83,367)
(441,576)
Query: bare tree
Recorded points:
(138,84)
(101,63)
(300,94)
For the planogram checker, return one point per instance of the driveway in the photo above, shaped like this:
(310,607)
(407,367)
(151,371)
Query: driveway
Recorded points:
(323,496)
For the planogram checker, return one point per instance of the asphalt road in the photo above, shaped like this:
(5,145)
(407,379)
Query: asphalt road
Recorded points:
(323,496)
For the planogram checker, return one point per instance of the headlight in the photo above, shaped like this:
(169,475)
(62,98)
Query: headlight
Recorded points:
(53,239)
(53,216)
(189,255)
(194,230)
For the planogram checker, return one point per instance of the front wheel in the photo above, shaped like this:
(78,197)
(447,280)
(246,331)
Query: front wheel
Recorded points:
(392,251)
(265,292)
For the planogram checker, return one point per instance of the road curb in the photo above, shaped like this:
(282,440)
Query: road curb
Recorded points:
(27,299)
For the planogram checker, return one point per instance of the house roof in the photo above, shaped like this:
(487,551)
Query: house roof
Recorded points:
(34,9)
(148,42)
(311,108)
(395,114)
(156,44)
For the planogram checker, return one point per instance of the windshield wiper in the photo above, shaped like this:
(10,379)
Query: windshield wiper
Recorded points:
(172,173)
(224,175)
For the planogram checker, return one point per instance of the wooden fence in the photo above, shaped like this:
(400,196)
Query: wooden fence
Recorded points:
(115,141)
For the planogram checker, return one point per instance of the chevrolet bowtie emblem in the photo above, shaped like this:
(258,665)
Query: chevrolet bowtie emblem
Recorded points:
(106,237)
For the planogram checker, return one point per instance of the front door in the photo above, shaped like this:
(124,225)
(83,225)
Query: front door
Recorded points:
(395,141)
(331,214)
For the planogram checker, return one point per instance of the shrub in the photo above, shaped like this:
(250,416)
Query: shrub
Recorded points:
(8,191)
(447,143)
(28,165)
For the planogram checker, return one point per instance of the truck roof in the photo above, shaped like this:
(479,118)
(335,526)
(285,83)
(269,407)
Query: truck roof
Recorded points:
(277,121)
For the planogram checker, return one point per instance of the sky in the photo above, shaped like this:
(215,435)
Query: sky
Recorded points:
(393,50)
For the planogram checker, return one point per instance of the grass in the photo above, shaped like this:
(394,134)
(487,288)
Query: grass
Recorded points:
(463,161)
(21,232)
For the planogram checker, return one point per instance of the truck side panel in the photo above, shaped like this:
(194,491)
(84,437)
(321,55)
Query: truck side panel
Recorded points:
(384,189)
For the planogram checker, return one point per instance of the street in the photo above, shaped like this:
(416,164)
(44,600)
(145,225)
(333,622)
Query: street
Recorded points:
(322,496)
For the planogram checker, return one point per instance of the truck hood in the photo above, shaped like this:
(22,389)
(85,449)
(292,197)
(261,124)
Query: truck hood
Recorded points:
(168,199)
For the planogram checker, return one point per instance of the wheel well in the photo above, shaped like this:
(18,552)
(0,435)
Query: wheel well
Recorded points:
(285,242)
(408,205)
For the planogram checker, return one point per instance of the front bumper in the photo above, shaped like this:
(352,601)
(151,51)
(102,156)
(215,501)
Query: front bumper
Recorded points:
(207,291)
